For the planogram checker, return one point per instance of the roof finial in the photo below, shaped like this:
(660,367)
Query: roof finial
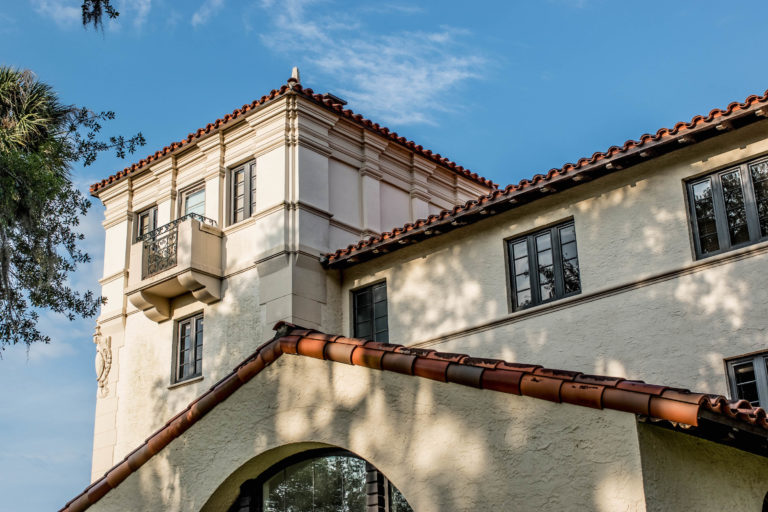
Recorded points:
(295,74)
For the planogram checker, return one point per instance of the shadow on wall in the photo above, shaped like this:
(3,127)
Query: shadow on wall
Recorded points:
(445,446)
(674,331)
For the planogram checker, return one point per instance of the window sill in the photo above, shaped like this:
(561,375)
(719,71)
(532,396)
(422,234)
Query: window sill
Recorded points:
(184,382)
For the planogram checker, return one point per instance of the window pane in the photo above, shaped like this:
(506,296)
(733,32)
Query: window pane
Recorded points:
(569,251)
(547,283)
(380,309)
(746,385)
(363,330)
(520,249)
(567,234)
(379,292)
(545,258)
(363,298)
(705,216)
(571,278)
(734,207)
(194,202)
(324,484)
(760,181)
(522,282)
(523,298)
(380,324)
(521,266)
(543,242)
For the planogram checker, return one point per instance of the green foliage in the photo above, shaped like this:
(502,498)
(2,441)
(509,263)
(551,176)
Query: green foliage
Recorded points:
(40,139)
(94,11)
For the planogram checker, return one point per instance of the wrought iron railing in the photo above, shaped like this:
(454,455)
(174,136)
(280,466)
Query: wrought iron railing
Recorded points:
(160,245)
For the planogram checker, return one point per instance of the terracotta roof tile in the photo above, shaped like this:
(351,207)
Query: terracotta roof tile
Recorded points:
(292,87)
(615,158)
(677,406)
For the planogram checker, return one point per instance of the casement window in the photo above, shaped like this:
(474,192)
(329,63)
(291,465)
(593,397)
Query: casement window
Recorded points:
(544,266)
(146,221)
(243,192)
(748,378)
(193,201)
(370,313)
(189,348)
(729,209)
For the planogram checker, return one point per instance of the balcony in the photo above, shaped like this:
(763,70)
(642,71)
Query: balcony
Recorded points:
(183,256)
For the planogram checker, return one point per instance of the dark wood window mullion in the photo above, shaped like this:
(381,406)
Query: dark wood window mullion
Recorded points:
(533,270)
(721,216)
(750,204)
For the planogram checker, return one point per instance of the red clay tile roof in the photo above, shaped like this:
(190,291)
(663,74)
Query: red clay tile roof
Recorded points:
(615,158)
(293,87)
(680,407)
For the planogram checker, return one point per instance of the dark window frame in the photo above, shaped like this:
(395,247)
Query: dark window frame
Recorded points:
(720,211)
(249,189)
(532,260)
(185,193)
(759,363)
(356,294)
(152,213)
(178,372)
(251,498)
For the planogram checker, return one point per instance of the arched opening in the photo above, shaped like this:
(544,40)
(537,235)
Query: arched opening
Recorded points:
(323,480)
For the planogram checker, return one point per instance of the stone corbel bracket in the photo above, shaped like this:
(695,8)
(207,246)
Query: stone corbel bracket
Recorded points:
(204,288)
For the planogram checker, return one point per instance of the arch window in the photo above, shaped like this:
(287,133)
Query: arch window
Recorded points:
(321,481)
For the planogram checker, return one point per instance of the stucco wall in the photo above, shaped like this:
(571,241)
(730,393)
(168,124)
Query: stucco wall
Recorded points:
(687,473)
(647,309)
(446,447)
(309,198)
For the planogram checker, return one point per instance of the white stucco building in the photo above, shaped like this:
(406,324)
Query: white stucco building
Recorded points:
(646,262)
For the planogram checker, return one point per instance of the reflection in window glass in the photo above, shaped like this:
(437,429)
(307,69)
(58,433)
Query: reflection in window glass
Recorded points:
(370,313)
(734,207)
(705,216)
(553,255)
(759,174)
(397,502)
(194,202)
(746,383)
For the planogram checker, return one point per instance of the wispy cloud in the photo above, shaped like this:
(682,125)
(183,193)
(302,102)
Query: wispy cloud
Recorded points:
(400,77)
(65,13)
(206,11)
(134,12)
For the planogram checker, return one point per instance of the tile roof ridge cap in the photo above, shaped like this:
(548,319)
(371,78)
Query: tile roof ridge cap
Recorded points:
(291,87)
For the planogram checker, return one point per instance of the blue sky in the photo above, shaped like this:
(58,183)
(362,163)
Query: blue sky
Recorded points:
(507,89)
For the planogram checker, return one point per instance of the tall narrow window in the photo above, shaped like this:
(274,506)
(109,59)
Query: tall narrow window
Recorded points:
(748,377)
(194,201)
(370,313)
(544,266)
(729,209)
(146,221)
(243,192)
(189,348)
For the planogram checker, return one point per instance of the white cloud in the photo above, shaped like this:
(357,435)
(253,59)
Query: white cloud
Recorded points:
(206,11)
(141,7)
(65,13)
(399,77)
